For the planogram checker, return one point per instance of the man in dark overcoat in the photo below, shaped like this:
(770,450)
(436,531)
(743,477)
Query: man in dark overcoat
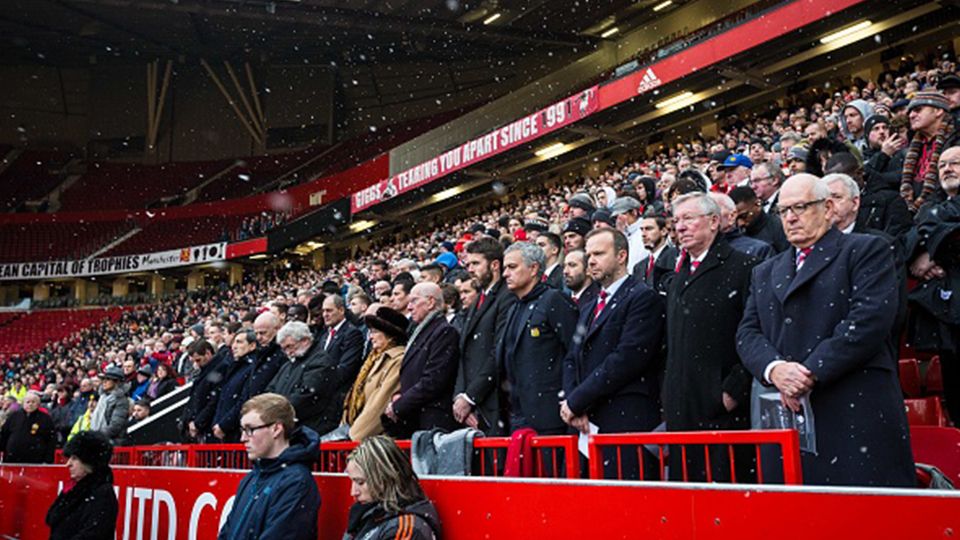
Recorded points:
(706,386)
(816,325)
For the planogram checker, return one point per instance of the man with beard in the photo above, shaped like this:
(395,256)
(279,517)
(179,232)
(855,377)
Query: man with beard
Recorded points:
(476,400)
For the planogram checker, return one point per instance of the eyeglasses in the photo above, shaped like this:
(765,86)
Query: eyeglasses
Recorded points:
(250,430)
(797,209)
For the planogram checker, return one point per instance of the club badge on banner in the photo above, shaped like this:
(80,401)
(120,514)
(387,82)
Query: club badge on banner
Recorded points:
(521,131)
(114,265)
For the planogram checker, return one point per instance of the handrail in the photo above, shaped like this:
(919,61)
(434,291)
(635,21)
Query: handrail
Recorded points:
(788,441)
(554,456)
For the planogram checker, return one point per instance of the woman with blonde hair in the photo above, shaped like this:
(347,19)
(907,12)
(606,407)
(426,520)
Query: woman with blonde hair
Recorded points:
(379,377)
(389,500)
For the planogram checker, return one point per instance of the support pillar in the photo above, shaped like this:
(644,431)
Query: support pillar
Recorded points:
(155,285)
(195,280)
(41,291)
(121,287)
(318,258)
(236,274)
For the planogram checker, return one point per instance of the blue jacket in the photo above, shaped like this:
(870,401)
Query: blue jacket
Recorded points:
(278,499)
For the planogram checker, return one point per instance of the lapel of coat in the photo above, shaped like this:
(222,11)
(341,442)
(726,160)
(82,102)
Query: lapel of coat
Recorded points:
(474,315)
(422,339)
(718,250)
(618,297)
(526,310)
(824,252)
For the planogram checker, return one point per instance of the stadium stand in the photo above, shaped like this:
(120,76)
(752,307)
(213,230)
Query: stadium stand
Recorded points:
(31,176)
(55,240)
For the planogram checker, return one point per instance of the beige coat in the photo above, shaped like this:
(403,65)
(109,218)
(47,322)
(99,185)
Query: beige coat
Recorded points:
(382,383)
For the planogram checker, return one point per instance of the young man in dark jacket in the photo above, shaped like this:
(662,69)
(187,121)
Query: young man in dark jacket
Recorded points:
(278,499)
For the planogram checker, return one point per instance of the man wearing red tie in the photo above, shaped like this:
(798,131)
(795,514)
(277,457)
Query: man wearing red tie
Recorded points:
(476,401)
(816,325)
(652,269)
(611,374)
(705,385)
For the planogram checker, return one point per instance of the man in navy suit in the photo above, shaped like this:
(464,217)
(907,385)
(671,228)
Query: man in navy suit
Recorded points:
(816,325)
(342,341)
(611,374)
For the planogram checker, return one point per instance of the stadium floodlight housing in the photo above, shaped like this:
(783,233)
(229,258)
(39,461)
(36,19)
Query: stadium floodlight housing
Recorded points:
(663,5)
(840,34)
(552,151)
(676,102)
(491,18)
(609,32)
(362,225)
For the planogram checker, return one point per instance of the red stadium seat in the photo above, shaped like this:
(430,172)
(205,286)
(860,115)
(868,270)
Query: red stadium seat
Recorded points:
(938,446)
(910,377)
(933,382)
(926,411)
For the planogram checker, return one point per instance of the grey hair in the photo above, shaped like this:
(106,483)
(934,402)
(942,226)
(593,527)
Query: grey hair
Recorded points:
(337,301)
(853,190)
(724,201)
(530,253)
(775,173)
(708,206)
(820,189)
(296,330)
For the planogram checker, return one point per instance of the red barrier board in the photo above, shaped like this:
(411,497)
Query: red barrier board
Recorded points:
(196,500)
(521,131)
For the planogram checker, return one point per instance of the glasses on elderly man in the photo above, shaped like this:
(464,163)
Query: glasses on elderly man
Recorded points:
(797,209)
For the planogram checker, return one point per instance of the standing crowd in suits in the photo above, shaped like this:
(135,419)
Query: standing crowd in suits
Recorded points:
(667,298)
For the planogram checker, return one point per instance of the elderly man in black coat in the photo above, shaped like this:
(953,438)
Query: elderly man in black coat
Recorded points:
(816,325)
(308,378)
(539,329)
(28,435)
(429,368)
(706,386)
(476,401)
(612,373)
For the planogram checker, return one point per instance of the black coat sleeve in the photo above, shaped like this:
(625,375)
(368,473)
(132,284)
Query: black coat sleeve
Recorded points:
(351,352)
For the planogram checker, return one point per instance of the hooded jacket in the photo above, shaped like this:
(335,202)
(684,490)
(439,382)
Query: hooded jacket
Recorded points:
(866,111)
(370,521)
(278,499)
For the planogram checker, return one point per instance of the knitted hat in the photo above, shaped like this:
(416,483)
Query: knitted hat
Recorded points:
(929,98)
(874,119)
(577,225)
(583,202)
(91,447)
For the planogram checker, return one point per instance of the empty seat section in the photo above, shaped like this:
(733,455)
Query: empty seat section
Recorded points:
(926,411)
(31,176)
(179,233)
(134,186)
(910,377)
(55,241)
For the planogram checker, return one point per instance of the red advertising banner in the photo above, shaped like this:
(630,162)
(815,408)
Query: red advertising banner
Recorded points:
(748,35)
(521,131)
(190,504)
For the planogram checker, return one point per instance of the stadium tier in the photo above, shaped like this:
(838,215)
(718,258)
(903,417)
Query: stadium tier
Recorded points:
(697,258)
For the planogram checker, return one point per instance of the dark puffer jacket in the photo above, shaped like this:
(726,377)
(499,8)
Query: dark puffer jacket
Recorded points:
(370,521)
(278,499)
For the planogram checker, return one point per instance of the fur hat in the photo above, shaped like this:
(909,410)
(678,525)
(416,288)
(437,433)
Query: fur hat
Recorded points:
(91,447)
(390,322)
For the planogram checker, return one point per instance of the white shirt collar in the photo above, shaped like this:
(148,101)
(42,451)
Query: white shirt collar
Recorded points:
(701,257)
(612,289)
(849,228)
(656,254)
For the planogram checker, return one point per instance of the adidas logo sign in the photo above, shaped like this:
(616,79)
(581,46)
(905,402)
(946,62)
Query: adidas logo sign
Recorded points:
(648,82)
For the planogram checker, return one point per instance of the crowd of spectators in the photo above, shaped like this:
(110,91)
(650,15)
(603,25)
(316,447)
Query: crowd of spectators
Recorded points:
(659,291)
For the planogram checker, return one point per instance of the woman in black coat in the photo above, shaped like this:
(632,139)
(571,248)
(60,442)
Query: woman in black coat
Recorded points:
(88,510)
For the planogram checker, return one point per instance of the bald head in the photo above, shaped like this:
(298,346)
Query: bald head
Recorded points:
(265,326)
(805,207)
(949,171)
(425,298)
